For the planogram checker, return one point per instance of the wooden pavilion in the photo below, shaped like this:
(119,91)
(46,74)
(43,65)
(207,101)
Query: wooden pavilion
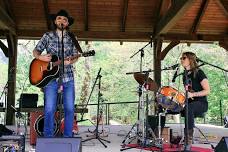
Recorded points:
(155,21)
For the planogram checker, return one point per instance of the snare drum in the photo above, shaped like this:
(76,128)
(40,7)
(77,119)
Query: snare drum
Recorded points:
(171,99)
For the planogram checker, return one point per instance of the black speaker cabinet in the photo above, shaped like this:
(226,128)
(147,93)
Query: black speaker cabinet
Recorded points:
(59,144)
(222,145)
(28,100)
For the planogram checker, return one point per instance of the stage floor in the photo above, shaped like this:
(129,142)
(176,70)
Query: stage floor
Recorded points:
(116,134)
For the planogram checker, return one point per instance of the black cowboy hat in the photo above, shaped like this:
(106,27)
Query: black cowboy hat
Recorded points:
(65,14)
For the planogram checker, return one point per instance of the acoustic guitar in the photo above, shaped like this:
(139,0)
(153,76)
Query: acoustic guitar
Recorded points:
(41,72)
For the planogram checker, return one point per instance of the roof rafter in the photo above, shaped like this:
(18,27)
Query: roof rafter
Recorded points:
(47,15)
(222,5)
(124,16)
(9,10)
(176,11)
(199,16)
(6,22)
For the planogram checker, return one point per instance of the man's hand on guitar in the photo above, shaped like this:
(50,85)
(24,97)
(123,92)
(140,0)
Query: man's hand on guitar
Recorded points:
(46,57)
(67,61)
(70,60)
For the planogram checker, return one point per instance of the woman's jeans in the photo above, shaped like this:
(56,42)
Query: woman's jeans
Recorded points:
(51,99)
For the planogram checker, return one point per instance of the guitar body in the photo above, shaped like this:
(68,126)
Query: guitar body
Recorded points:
(40,73)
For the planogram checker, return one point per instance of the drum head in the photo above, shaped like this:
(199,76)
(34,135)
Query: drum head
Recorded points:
(168,104)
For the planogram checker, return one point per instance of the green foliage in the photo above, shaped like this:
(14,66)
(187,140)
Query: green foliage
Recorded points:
(116,86)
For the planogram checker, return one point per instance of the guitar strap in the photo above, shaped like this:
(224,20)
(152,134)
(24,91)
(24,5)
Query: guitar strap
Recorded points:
(75,41)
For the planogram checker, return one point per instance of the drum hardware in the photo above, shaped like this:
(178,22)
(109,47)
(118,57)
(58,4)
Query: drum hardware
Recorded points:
(140,128)
(142,77)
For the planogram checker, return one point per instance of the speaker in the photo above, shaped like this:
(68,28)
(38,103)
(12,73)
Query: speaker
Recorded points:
(222,145)
(37,125)
(28,100)
(33,119)
(73,144)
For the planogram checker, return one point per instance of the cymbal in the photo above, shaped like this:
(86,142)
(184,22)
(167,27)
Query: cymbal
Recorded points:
(140,78)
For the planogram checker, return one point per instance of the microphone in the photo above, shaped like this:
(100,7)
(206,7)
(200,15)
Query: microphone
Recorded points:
(61,25)
(173,67)
(175,74)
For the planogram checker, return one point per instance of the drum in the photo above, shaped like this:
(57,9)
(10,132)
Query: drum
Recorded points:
(39,126)
(171,99)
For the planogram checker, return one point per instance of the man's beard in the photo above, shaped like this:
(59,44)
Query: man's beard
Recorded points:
(60,27)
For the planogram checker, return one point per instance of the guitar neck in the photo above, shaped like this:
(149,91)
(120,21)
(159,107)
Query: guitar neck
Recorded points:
(85,54)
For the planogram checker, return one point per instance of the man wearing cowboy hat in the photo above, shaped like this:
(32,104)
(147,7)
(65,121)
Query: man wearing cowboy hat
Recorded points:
(51,42)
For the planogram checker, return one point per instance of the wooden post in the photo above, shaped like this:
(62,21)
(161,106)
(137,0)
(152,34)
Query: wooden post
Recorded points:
(157,65)
(12,46)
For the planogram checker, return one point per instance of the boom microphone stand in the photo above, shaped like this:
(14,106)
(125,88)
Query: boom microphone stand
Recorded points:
(186,84)
(97,134)
(83,111)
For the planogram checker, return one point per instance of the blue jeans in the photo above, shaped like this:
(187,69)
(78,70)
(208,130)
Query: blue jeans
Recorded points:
(50,103)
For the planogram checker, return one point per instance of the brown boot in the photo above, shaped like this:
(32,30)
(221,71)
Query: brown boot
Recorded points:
(190,136)
(190,139)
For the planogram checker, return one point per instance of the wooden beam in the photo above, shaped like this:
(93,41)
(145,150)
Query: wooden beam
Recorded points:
(199,16)
(86,16)
(6,22)
(168,48)
(125,36)
(224,45)
(47,15)
(12,44)
(195,37)
(9,9)
(124,16)
(176,11)
(4,49)
(222,5)
(157,60)
(92,35)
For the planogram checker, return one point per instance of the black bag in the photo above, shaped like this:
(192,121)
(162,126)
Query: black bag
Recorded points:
(5,131)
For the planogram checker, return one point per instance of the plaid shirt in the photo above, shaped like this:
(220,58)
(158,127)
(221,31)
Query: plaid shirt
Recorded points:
(52,44)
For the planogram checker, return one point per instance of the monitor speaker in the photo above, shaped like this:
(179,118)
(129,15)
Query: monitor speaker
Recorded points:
(59,144)
(222,145)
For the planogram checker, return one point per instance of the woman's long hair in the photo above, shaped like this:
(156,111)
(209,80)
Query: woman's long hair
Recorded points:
(193,62)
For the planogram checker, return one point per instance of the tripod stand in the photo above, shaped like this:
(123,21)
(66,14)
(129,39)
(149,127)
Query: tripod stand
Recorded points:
(96,131)
(142,134)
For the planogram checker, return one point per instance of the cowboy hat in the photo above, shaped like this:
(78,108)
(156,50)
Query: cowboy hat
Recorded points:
(65,14)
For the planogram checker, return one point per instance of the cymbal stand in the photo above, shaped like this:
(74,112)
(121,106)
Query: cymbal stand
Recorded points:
(142,132)
(135,126)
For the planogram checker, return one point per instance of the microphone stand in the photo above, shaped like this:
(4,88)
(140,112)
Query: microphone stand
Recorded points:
(186,83)
(96,131)
(141,58)
(4,91)
(83,111)
(60,84)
